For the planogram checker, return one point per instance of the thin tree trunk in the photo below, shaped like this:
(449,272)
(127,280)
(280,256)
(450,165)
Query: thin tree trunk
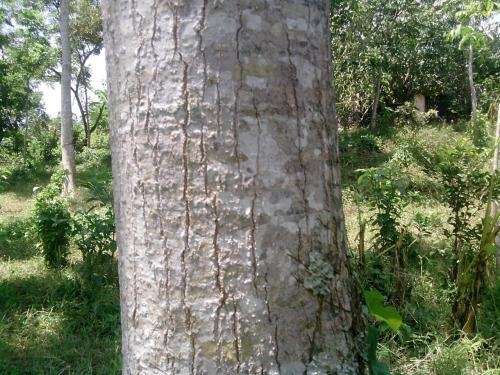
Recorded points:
(376,98)
(470,74)
(226,177)
(67,148)
(495,202)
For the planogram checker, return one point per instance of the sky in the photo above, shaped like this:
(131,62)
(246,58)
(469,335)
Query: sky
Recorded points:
(51,93)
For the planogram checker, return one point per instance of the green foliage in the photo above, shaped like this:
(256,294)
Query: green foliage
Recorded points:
(49,325)
(375,367)
(400,44)
(52,223)
(434,170)
(408,115)
(361,141)
(387,314)
(385,191)
(479,132)
(27,156)
(17,238)
(26,55)
(93,233)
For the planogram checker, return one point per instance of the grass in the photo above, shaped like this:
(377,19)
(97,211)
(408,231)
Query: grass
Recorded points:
(51,322)
(50,325)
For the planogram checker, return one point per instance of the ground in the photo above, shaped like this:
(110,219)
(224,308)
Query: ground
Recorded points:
(52,323)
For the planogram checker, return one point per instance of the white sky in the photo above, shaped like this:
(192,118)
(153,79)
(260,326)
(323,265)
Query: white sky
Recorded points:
(51,93)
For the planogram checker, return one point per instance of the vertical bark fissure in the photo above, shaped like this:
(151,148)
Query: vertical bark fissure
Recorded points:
(253,230)
(236,334)
(201,51)
(239,86)
(188,318)
(231,179)
(175,29)
(293,82)
(276,348)
(139,186)
(218,105)
(253,233)
(316,329)
(187,214)
(218,281)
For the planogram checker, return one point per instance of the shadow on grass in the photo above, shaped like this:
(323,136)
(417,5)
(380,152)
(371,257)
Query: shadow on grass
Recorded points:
(50,323)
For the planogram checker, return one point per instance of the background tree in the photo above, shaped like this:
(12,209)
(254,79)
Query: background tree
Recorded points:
(86,41)
(25,55)
(67,147)
(389,51)
(471,16)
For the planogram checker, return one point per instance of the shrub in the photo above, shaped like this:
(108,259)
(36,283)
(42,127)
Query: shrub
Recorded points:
(52,223)
(93,233)
(17,239)
(26,157)
(478,131)
(360,141)
(407,114)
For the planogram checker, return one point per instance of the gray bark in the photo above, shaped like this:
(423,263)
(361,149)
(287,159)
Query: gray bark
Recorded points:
(470,75)
(67,148)
(230,229)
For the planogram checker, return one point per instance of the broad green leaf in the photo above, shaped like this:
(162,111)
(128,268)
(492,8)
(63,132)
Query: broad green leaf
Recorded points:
(388,314)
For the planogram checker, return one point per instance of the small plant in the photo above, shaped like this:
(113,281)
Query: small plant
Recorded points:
(52,222)
(389,318)
(385,191)
(94,235)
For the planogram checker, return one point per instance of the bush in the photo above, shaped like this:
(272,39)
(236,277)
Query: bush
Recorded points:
(407,114)
(27,157)
(52,222)
(478,131)
(17,239)
(94,235)
(360,141)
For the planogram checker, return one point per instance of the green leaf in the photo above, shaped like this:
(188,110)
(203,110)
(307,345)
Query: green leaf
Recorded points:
(388,314)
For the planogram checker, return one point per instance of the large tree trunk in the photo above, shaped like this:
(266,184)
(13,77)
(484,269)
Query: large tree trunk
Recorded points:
(227,195)
(472,87)
(67,149)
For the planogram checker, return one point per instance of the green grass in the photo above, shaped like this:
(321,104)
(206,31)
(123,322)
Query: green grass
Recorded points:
(51,322)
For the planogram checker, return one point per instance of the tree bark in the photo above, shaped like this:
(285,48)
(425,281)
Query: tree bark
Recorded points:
(67,148)
(375,102)
(470,74)
(227,189)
